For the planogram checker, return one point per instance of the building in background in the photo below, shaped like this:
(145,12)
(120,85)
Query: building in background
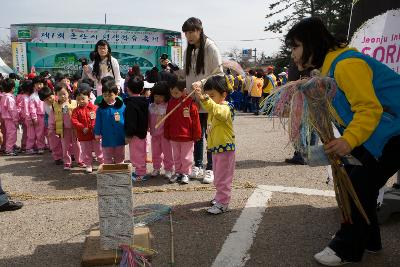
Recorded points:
(58,47)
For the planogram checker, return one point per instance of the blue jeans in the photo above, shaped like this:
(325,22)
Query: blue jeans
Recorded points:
(3,196)
(199,145)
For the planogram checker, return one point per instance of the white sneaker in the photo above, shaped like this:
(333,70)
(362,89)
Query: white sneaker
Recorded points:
(168,175)
(185,179)
(217,209)
(155,173)
(196,173)
(328,257)
(89,169)
(208,177)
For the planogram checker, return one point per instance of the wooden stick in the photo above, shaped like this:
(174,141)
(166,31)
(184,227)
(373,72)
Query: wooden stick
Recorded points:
(172,110)
(214,72)
(172,240)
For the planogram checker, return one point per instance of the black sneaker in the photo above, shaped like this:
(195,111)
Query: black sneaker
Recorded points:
(297,159)
(58,162)
(213,202)
(179,179)
(11,205)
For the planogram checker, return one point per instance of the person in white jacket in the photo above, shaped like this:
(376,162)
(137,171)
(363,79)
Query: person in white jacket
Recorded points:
(104,65)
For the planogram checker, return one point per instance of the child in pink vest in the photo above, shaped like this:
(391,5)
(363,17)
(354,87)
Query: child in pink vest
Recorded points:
(35,121)
(48,97)
(26,89)
(10,116)
(161,149)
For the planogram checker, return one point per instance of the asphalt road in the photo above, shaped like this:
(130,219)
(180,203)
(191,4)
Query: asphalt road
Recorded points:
(50,228)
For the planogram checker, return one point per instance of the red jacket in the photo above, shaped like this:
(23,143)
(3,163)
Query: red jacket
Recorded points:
(184,123)
(84,117)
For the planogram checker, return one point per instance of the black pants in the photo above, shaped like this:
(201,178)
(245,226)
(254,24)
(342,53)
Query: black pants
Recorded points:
(199,145)
(351,240)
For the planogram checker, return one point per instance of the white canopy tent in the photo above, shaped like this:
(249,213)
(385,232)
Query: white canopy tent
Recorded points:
(4,69)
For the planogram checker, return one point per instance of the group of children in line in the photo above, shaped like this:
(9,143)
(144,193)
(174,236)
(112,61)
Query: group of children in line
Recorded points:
(74,127)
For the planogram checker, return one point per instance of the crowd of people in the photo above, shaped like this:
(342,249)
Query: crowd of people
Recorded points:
(92,116)
(95,116)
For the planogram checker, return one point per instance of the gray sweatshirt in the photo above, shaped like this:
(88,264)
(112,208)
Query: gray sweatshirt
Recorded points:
(212,63)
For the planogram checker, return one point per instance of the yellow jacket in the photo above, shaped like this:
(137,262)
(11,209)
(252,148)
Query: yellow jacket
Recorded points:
(221,137)
(270,86)
(354,78)
(58,115)
(256,89)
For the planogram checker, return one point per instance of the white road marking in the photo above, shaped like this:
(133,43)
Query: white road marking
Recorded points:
(298,190)
(234,252)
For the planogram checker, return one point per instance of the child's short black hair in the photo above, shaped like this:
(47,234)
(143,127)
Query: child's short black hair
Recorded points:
(44,93)
(217,83)
(26,87)
(59,86)
(83,89)
(88,81)
(58,77)
(106,79)
(160,88)
(252,72)
(110,87)
(13,76)
(180,84)
(8,85)
(76,77)
(66,76)
(135,85)
(260,74)
(38,79)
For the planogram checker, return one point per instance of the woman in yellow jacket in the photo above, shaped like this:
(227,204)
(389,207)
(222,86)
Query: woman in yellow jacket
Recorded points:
(368,110)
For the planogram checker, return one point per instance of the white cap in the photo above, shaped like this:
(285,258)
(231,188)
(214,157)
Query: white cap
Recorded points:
(148,85)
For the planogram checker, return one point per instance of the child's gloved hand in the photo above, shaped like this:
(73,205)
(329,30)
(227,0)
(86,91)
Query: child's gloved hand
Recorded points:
(85,130)
(34,122)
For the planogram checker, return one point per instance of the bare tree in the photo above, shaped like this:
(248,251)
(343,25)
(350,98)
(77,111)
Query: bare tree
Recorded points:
(5,52)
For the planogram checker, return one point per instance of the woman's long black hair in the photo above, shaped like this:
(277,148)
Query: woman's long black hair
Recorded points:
(97,59)
(192,24)
(316,40)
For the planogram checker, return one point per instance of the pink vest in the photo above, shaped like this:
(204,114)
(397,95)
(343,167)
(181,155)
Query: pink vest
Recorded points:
(156,112)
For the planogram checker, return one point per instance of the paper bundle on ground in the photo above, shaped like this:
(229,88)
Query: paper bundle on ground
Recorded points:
(114,187)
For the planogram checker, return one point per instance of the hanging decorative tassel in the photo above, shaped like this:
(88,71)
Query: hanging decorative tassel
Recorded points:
(307,104)
(133,257)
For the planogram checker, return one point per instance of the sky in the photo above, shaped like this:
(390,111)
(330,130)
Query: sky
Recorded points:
(224,21)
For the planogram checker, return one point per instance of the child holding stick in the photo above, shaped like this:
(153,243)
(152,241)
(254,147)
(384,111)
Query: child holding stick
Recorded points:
(220,139)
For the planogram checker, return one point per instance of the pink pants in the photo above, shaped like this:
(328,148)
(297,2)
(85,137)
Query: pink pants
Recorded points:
(70,145)
(161,151)
(137,152)
(3,131)
(183,156)
(114,154)
(55,145)
(11,133)
(87,148)
(35,134)
(24,135)
(223,168)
